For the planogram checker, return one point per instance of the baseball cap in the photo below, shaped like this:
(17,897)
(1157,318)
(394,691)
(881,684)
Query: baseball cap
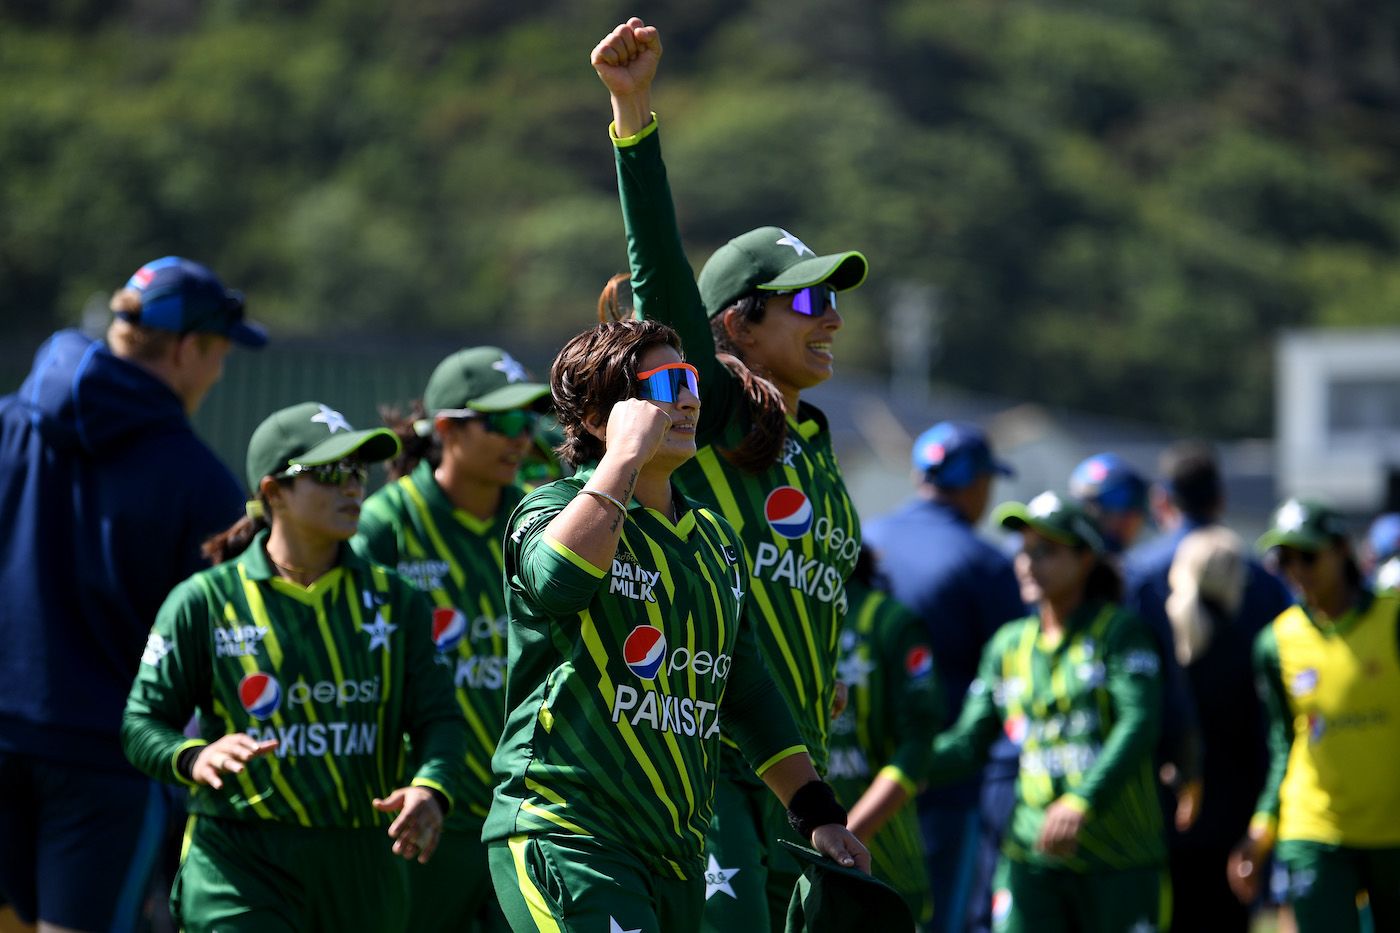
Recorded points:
(952,454)
(1054,516)
(1108,482)
(1384,537)
(480,379)
(831,897)
(183,296)
(1303,524)
(773,260)
(311,434)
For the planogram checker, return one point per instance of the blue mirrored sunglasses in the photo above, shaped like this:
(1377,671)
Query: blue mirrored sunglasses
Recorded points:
(813,300)
(663,384)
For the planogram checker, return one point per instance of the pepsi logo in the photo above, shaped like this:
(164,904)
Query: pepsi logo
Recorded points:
(260,694)
(789,512)
(449,625)
(1015,728)
(918,662)
(1001,906)
(644,651)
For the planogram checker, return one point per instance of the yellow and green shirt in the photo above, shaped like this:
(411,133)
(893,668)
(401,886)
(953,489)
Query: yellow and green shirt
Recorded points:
(1332,692)
(337,672)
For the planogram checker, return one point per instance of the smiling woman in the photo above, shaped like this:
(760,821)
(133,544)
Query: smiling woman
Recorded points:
(308,669)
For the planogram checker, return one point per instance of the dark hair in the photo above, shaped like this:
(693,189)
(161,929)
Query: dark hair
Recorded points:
(767,415)
(1104,583)
(1191,477)
(415,447)
(593,372)
(234,540)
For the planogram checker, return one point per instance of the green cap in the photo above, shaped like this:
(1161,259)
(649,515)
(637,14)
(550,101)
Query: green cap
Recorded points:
(311,434)
(481,379)
(771,259)
(1057,518)
(1302,524)
(830,896)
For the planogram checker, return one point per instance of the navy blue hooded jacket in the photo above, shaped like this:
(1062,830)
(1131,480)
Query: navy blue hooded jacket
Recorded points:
(105,496)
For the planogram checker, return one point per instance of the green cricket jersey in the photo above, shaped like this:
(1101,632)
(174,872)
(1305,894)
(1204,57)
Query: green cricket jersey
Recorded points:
(455,558)
(891,718)
(796,518)
(1085,713)
(619,679)
(337,672)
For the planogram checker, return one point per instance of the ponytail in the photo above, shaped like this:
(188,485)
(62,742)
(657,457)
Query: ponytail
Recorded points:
(234,540)
(415,446)
(1104,582)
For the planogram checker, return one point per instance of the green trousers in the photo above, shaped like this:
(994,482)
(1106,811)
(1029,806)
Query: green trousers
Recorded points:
(1033,899)
(453,892)
(749,877)
(1325,883)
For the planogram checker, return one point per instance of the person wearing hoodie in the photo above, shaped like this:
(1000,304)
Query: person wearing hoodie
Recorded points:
(107,495)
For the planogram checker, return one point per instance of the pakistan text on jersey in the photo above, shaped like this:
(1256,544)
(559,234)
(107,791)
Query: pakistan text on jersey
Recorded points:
(1060,760)
(320,738)
(665,713)
(847,763)
(479,672)
(813,577)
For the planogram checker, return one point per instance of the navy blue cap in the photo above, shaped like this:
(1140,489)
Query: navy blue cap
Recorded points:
(952,454)
(185,297)
(1109,483)
(1384,537)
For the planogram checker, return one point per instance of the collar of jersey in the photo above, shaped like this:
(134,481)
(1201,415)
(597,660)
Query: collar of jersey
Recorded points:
(1344,621)
(1085,615)
(427,485)
(258,567)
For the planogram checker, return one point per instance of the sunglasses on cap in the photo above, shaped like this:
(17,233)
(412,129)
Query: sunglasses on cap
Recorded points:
(511,424)
(813,300)
(663,384)
(329,474)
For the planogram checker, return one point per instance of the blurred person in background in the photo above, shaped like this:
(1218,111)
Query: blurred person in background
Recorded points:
(880,743)
(440,522)
(1076,686)
(107,495)
(1188,497)
(1115,495)
(1383,553)
(1328,670)
(963,589)
(759,326)
(310,669)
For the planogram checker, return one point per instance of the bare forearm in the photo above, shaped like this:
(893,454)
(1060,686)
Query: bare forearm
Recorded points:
(591,525)
(881,800)
(789,775)
(631,112)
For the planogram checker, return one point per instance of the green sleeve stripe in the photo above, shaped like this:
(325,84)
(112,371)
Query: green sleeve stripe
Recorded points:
(429,782)
(893,773)
(175,757)
(623,142)
(785,753)
(574,559)
(530,808)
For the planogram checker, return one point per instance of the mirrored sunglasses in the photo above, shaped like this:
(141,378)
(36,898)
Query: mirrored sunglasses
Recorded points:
(663,384)
(1291,555)
(511,424)
(813,300)
(330,474)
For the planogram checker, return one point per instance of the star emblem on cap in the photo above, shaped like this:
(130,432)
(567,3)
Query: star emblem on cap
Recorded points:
(1292,517)
(717,880)
(379,632)
(1047,503)
(798,247)
(514,371)
(331,418)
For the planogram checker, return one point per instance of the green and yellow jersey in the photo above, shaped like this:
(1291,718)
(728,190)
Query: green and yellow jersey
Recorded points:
(620,678)
(1332,692)
(1085,712)
(888,726)
(337,672)
(796,519)
(455,558)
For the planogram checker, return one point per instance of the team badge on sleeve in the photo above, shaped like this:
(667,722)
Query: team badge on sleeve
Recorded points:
(157,648)
(260,694)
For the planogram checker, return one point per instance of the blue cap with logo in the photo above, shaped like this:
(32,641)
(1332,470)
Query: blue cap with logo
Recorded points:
(183,296)
(1384,537)
(952,454)
(1109,483)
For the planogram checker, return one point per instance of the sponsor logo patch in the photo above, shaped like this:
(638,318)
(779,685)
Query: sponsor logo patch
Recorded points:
(788,511)
(260,694)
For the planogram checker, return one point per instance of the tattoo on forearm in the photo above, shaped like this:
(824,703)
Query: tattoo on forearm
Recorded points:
(626,497)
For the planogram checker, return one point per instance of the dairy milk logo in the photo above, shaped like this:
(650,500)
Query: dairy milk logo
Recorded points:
(449,625)
(644,651)
(789,512)
(260,694)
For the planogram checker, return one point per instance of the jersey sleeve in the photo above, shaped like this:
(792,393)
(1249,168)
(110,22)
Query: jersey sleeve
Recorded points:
(663,284)
(914,698)
(1133,680)
(542,570)
(1268,680)
(431,715)
(960,750)
(377,538)
(171,680)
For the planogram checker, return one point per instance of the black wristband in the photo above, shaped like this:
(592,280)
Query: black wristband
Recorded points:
(184,762)
(814,805)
